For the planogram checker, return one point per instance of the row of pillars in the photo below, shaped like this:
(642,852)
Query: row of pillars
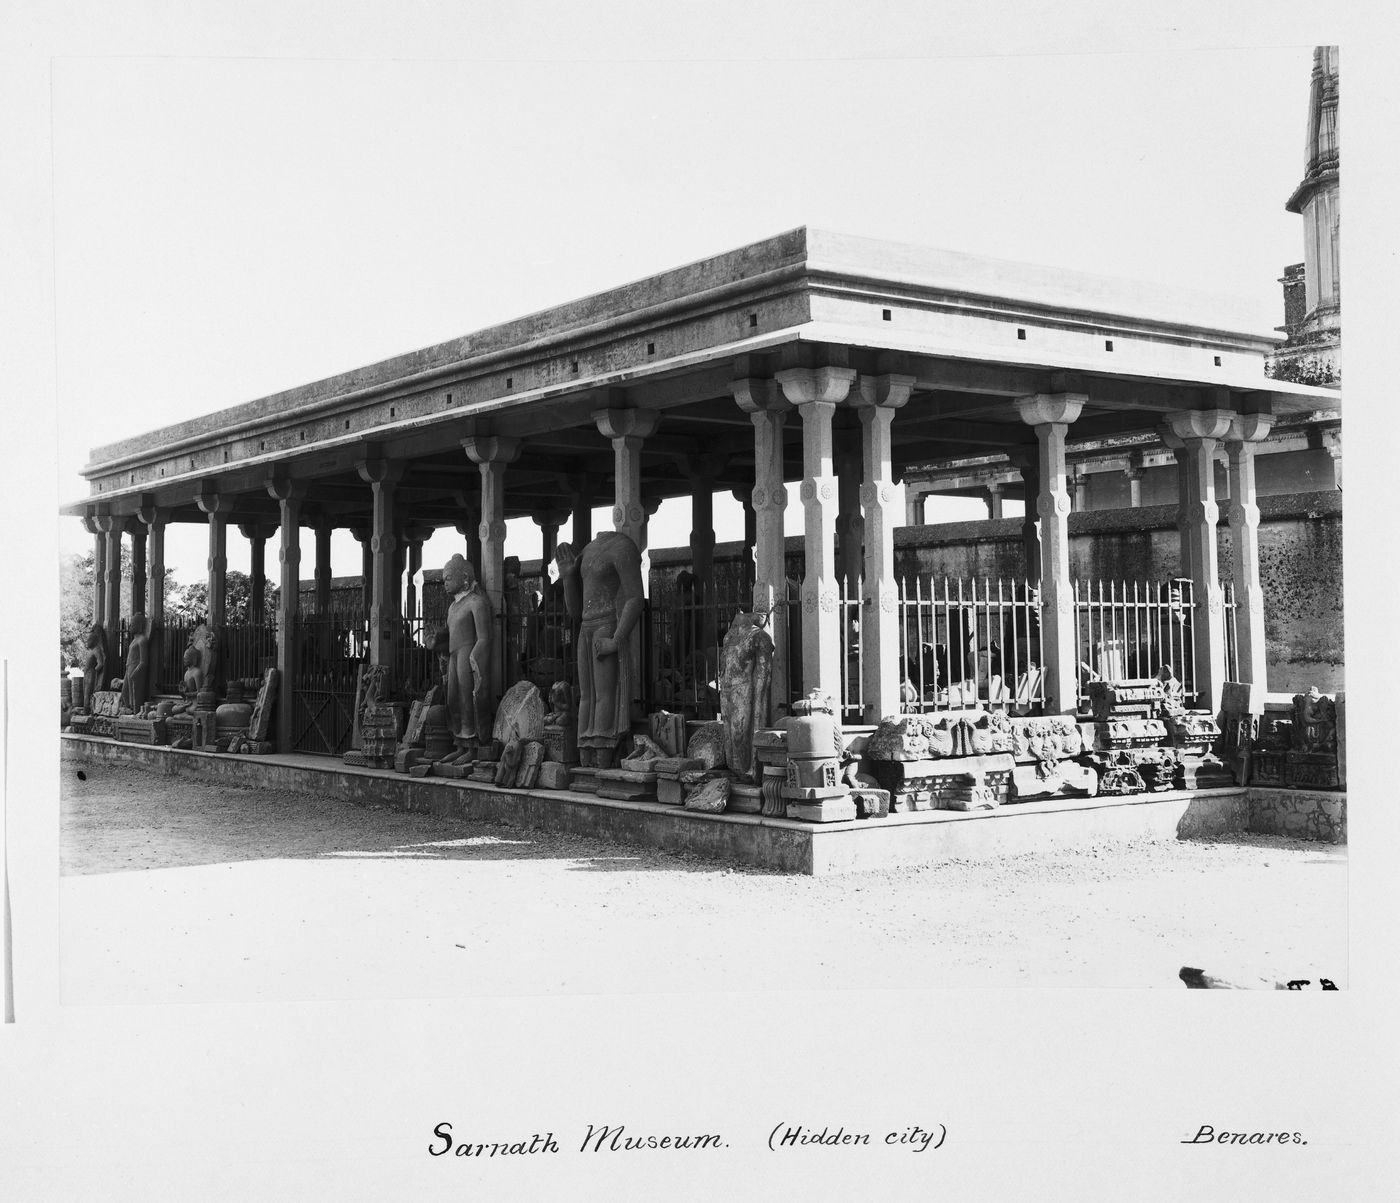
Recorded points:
(814,394)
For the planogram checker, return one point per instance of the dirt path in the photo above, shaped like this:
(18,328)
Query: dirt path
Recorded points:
(179,889)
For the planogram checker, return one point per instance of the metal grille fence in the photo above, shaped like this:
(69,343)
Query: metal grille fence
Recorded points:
(1130,629)
(969,642)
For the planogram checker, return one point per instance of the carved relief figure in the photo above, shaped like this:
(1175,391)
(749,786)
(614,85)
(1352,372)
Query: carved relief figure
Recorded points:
(94,665)
(137,667)
(603,589)
(468,654)
(745,679)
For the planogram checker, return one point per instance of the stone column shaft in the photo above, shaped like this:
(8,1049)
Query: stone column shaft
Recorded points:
(138,567)
(877,398)
(1245,432)
(627,429)
(288,495)
(154,520)
(1200,431)
(850,526)
(258,579)
(492,455)
(816,392)
(994,501)
(324,531)
(1051,415)
(382,476)
(99,571)
(766,408)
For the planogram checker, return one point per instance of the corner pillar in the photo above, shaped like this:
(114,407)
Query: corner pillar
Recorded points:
(322,581)
(1026,462)
(138,566)
(1246,430)
(816,392)
(876,398)
(1050,415)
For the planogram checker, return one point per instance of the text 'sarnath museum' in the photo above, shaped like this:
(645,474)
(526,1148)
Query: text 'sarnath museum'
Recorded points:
(873,679)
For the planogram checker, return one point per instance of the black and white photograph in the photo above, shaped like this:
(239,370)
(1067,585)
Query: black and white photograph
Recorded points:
(741,601)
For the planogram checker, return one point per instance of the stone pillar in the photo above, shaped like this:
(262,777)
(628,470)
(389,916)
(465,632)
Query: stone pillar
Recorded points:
(745,498)
(257,535)
(1332,443)
(110,589)
(701,470)
(994,500)
(491,455)
(1245,431)
(767,408)
(469,525)
(1186,532)
(364,536)
(850,528)
(288,494)
(1051,414)
(549,522)
(1199,432)
(1133,471)
(627,429)
(154,520)
(914,498)
(217,506)
(582,488)
(816,392)
(99,569)
(382,475)
(414,538)
(324,531)
(1026,461)
(138,567)
(876,399)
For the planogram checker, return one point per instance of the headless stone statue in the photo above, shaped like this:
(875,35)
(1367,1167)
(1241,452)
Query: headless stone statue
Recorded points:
(137,667)
(94,665)
(746,676)
(603,589)
(468,656)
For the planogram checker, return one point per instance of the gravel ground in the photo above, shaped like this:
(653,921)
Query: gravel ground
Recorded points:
(176,889)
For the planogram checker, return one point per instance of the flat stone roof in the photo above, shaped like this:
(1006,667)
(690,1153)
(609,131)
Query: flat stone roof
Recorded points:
(672,339)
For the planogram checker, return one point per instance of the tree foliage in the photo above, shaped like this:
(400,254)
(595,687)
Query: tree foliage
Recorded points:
(192,602)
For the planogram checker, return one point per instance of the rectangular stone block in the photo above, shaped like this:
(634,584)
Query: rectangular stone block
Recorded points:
(483,771)
(1266,768)
(456,772)
(830,810)
(426,769)
(871,803)
(1310,770)
(1241,697)
(554,775)
(814,793)
(585,781)
(670,791)
(1065,779)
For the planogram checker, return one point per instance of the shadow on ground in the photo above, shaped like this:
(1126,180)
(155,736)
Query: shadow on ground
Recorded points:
(118,820)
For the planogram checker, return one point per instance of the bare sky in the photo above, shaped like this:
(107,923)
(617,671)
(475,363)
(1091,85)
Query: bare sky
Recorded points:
(227,228)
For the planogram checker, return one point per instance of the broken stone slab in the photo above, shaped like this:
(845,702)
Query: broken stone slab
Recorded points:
(707,746)
(709,797)
(871,803)
(520,714)
(669,791)
(582,780)
(1053,779)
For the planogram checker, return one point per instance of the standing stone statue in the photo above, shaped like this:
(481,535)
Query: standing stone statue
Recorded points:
(469,621)
(746,675)
(137,667)
(603,590)
(94,664)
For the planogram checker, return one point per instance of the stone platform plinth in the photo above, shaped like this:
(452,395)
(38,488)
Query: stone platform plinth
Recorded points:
(785,845)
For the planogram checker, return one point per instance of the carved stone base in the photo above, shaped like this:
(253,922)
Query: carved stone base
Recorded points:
(584,781)
(748,799)
(141,730)
(483,772)
(1204,773)
(1061,779)
(669,791)
(829,810)
(774,806)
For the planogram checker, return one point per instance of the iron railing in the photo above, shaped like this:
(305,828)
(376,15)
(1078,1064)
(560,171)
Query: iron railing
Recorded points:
(1131,629)
(970,642)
